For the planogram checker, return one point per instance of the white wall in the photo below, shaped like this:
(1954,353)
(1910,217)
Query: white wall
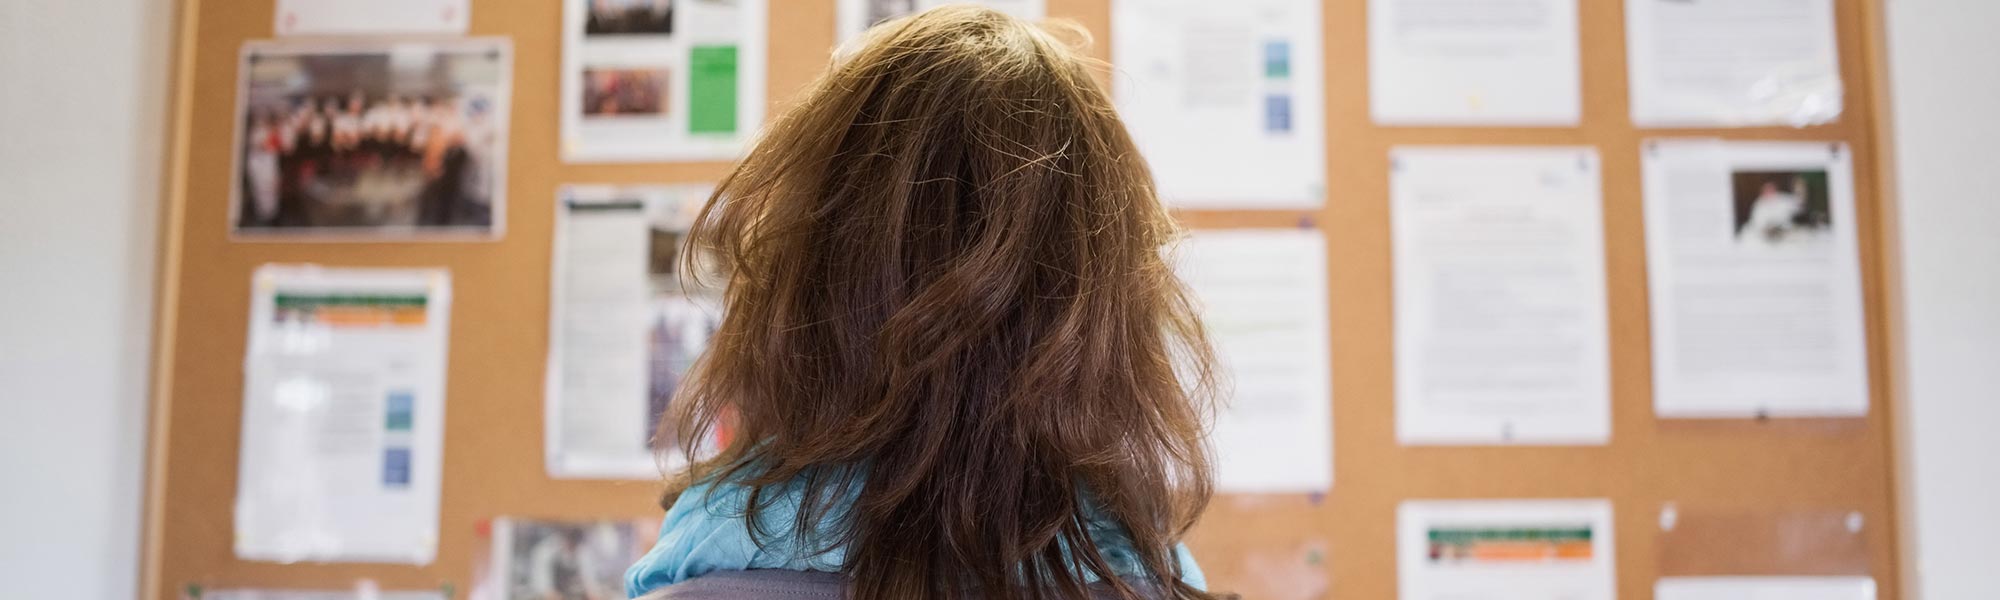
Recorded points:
(82,108)
(1945,73)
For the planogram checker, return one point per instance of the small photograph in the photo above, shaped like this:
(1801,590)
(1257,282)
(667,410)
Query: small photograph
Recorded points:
(379,139)
(554,560)
(686,312)
(1781,207)
(611,92)
(629,17)
(883,10)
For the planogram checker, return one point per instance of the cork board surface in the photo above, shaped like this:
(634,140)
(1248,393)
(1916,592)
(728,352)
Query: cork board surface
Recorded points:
(1336,545)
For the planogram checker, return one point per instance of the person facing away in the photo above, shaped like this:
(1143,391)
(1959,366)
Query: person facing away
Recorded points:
(954,359)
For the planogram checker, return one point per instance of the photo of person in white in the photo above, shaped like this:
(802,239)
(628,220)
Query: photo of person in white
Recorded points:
(1775,209)
(1780,208)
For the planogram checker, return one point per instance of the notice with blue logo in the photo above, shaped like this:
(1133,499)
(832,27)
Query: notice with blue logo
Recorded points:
(343,414)
(396,467)
(1226,100)
(1277,113)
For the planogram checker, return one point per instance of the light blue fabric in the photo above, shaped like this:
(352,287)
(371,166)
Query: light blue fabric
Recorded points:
(703,532)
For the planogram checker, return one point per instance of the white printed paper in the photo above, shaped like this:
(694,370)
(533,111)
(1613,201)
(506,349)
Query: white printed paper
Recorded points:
(388,17)
(1225,99)
(626,323)
(1483,62)
(364,592)
(661,80)
(1764,588)
(1732,63)
(1500,303)
(856,16)
(1755,280)
(536,559)
(1505,550)
(1264,301)
(343,415)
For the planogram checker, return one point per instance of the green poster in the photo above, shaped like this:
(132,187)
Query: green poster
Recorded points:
(712,89)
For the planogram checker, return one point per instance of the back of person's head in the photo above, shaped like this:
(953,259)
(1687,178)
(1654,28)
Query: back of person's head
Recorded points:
(946,273)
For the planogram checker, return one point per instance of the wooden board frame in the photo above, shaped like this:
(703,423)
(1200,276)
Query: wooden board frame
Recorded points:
(493,462)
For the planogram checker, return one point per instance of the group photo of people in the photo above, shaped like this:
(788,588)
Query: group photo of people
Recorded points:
(366,141)
(624,92)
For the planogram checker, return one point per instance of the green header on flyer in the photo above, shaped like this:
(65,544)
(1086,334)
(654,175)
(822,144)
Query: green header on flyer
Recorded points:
(1521,534)
(308,301)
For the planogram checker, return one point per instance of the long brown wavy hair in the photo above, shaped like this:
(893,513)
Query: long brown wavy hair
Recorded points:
(947,301)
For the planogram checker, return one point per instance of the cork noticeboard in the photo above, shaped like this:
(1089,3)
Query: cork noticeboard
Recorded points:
(1341,544)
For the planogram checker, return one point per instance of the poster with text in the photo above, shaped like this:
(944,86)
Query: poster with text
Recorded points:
(372,17)
(627,321)
(1733,63)
(1224,99)
(343,415)
(1502,327)
(661,80)
(1754,274)
(1495,62)
(1263,298)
